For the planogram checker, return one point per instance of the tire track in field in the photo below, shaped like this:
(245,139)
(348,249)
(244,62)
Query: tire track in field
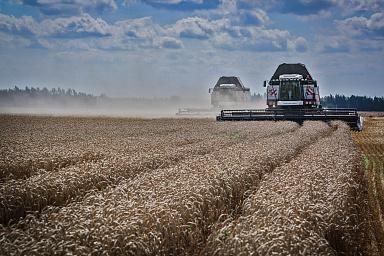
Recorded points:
(20,197)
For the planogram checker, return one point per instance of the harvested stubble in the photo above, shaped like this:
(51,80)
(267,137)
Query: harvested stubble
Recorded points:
(312,205)
(371,143)
(169,211)
(18,197)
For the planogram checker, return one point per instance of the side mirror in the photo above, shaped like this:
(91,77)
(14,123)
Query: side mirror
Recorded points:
(315,83)
(265,83)
(209,90)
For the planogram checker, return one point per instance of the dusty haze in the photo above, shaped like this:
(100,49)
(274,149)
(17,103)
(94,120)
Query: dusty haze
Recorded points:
(120,107)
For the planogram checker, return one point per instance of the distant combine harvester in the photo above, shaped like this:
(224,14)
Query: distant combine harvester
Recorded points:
(228,92)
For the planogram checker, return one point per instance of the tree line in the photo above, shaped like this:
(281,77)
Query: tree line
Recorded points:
(44,92)
(23,96)
(362,103)
(31,96)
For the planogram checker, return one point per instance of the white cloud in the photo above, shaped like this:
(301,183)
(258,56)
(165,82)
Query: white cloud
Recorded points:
(173,1)
(27,26)
(299,44)
(376,22)
(165,3)
(352,6)
(354,34)
(141,28)
(252,38)
(84,24)
(168,42)
(231,35)
(143,32)
(86,32)
(352,26)
(196,27)
(228,6)
(257,17)
(362,26)
(314,9)
(71,7)
(23,25)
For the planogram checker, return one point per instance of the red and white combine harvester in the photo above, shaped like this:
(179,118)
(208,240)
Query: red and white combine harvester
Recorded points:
(293,95)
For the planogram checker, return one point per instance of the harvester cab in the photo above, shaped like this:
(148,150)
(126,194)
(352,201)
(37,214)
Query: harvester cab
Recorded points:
(293,95)
(291,86)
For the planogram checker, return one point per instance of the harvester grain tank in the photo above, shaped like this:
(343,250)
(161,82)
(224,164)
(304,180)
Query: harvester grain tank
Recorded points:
(293,95)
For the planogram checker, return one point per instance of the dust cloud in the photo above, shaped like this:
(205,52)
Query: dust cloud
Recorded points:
(38,102)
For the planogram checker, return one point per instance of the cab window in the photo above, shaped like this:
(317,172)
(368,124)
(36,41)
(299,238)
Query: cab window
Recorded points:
(290,90)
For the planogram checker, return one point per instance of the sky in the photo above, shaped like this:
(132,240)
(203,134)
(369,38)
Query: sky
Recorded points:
(162,48)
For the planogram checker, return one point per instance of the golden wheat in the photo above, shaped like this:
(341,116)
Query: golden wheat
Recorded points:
(305,207)
(19,197)
(31,145)
(178,187)
(169,211)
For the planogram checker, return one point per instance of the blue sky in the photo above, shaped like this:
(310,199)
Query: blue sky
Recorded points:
(142,48)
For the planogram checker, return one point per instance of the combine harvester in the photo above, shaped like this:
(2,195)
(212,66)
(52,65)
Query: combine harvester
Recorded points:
(228,92)
(292,95)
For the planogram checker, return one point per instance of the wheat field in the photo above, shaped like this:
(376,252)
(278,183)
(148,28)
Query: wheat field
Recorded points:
(125,186)
(371,143)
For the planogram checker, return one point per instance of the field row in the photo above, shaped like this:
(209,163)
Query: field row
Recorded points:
(165,211)
(187,187)
(58,188)
(33,145)
(312,205)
